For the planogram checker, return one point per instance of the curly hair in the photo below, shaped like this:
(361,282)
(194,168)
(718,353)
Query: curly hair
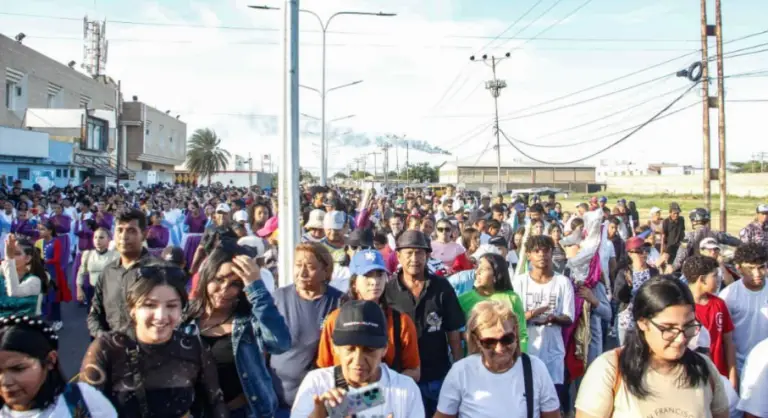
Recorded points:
(698,266)
(751,253)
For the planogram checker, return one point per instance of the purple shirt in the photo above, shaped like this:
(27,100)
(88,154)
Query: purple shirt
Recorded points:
(26,228)
(196,224)
(157,237)
(84,236)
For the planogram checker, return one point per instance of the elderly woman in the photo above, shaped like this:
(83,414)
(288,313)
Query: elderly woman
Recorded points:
(491,381)
(304,305)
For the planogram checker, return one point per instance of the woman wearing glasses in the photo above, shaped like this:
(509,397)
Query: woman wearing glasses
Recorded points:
(151,370)
(444,246)
(491,381)
(655,373)
(235,316)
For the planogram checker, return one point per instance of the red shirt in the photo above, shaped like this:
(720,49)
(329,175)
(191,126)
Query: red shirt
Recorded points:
(714,316)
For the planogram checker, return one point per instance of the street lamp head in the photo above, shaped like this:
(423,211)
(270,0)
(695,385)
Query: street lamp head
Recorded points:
(386,14)
(471,57)
(507,54)
(485,56)
(263,7)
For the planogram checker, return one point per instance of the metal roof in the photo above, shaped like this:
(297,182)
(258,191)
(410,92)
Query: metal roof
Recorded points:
(489,161)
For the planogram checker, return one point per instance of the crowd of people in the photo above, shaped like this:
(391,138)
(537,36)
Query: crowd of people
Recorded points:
(400,304)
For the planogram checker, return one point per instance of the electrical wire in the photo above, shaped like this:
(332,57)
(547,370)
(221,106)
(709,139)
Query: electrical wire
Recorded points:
(554,24)
(511,26)
(619,141)
(544,13)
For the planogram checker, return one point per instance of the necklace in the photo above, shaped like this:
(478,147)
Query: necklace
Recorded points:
(218,324)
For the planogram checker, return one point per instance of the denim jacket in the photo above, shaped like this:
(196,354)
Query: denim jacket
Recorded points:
(264,330)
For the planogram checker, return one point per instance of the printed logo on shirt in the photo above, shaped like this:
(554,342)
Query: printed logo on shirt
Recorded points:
(670,412)
(719,321)
(434,321)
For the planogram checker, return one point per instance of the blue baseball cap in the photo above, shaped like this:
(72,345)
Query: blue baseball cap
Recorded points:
(603,199)
(366,261)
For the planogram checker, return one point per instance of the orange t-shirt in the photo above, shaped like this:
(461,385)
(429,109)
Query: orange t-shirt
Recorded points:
(409,352)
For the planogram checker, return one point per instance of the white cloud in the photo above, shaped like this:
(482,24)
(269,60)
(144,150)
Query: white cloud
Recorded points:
(218,78)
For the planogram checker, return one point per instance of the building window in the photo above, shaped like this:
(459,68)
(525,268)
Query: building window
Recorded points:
(96,135)
(23,174)
(58,173)
(72,173)
(13,93)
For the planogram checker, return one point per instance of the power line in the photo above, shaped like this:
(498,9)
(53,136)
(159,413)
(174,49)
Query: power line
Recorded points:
(511,26)
(619,141)
(544,13)
(554,24)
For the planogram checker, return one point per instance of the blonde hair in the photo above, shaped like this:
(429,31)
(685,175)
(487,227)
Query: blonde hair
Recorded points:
(488,314)
(322,255)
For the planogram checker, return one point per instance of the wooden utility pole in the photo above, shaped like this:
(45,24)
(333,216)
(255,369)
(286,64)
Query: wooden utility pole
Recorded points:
(721,115)
(705,33)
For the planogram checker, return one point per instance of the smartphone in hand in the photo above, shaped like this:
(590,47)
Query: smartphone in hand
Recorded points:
(358,400)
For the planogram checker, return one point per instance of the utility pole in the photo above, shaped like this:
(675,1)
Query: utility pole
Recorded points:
(721,115)
(118,131)
(495,86)
(375,168)
(407,174)
(385,150)
(250,170)
(705,33)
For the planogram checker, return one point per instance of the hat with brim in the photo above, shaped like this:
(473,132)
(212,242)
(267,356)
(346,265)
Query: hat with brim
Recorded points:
(360,238)
(709,244)
(412,239)
(636,243)
(269,227)
(315,220)
(762,209)
(360,323)
(366,261)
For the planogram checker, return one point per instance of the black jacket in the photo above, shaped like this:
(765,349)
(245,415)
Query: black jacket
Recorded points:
(108,307)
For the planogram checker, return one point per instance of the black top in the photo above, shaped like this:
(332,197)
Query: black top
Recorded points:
(179,376)
(674,231)
(224,356)
(108,311)
(435,312)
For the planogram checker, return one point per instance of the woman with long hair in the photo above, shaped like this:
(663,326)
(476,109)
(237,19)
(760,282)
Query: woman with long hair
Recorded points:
(23,280)
(470,240)
(194,226)
(629,280)
(655,370)
(369,276)
(259,213)
(31,381)
(236,318)
(54,257)
(492,282)
(158,234)
(491,382)
(150,366)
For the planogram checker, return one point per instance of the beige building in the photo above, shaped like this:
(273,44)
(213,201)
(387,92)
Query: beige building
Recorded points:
(44,95)
(474,174)
(155,142)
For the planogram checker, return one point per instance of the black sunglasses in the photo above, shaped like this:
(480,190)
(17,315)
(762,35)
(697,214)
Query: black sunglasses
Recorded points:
(491,343)
(443,229)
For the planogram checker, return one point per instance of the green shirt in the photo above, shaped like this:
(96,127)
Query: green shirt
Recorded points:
(470,299)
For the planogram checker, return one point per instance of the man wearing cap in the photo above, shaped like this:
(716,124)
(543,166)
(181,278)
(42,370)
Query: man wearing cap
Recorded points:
(432,304)
(222,217)
(709,247)
(360,341)
(700,225)
(314,226)
(757,231)
(334,241)
(656,224)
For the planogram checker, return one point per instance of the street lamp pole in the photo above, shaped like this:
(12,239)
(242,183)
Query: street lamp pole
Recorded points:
(323,91)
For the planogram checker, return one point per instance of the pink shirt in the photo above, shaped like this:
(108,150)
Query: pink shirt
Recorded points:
(446,252)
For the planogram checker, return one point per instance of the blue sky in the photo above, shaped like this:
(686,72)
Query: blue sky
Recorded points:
(230,79)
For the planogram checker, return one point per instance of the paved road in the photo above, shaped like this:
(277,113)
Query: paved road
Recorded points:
(73,338)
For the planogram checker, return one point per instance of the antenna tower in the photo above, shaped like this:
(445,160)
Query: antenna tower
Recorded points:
(95,46)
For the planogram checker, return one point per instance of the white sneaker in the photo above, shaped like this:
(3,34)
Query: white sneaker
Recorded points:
(57,326)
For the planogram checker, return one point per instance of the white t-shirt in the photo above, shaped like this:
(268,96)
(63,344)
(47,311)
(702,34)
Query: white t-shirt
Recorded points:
(484,238)
(340,278)
(98,406)
(754,382)
(269,279)
(401,394)
(546,341)
(471,391)
(733,399)
(749,311)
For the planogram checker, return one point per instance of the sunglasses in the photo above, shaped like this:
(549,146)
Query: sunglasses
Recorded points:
(443,229)
(491,343)
(640,251)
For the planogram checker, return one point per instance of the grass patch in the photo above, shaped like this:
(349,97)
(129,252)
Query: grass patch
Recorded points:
(741,210)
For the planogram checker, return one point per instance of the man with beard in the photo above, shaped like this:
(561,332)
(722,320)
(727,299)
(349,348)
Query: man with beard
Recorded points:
(434,308)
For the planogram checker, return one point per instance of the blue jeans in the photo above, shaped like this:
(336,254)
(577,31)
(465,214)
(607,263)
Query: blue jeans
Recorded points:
(51,308)
(430,393)
(283,413)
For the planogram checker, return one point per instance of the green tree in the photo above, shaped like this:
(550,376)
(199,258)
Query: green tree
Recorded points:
(340,175)
(422,173)
(752,166)
(306,177)
(360,175)
(204,154)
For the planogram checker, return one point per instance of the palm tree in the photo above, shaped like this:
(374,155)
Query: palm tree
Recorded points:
(204,157)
